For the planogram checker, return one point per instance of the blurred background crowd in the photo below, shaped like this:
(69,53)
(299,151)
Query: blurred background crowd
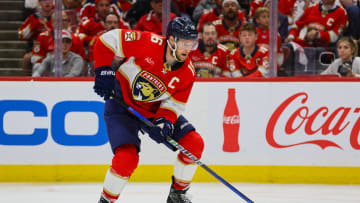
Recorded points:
(314,36)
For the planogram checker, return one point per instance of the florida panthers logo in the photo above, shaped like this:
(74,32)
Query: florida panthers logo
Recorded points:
(147,87)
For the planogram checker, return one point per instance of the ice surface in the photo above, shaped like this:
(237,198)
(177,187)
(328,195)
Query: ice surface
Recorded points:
(201,193)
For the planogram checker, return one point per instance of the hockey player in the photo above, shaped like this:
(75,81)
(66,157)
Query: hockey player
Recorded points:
(156,80)
(250,60)
(210,59)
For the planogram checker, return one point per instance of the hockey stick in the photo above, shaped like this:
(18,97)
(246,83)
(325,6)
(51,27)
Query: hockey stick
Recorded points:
(182,149)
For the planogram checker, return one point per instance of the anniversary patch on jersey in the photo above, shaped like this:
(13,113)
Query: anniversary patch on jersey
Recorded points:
(147,87)
(131,35)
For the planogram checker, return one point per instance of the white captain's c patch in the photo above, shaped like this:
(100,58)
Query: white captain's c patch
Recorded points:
(147,87)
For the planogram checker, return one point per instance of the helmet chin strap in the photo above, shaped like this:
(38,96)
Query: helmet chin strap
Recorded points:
(173,50)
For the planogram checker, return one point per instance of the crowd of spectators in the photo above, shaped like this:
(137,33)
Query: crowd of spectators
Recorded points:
(234,34)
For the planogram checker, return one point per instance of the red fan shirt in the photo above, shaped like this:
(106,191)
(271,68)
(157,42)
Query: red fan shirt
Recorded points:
(226,35)
(263,41)
(263,38)
(254,65)
(212,64)
(330,25)
(33,26)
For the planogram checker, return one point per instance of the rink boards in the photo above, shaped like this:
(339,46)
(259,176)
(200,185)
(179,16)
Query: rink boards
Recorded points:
(291,131)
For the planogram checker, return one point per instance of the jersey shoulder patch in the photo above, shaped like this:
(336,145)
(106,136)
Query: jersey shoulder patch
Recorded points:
(132,35)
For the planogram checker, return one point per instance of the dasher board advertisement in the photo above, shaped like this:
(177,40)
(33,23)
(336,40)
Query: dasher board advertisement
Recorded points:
(278,123)
(242,123)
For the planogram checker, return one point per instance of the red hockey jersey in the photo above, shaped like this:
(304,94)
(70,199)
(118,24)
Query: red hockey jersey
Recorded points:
(33,26)
(45,44)
(212,64)
(254,65)
(149,23)
(226,35)
(213,15)
(149,84)
(330,25)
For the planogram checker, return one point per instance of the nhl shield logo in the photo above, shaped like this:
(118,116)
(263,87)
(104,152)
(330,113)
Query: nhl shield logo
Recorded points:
(147,87)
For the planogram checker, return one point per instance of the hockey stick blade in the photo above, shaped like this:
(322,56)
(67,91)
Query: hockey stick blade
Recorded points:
(182,149)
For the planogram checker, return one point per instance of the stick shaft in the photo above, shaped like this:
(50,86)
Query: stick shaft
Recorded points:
(182,149)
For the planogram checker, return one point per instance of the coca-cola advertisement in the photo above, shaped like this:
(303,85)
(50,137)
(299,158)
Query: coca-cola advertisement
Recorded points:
(279,123)
(320,126)
(231,123)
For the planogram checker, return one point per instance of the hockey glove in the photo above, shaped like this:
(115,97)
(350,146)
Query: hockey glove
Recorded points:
(104,81)
(163,129)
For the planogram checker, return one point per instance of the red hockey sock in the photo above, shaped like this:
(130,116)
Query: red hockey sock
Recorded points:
(194,143)
(125,160)
(185,167)
(124,163)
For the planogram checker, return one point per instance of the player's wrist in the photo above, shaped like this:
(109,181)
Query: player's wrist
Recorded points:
(105,71)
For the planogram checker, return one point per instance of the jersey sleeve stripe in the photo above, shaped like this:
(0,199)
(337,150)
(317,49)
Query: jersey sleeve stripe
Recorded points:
(129,69)
(264,71)
(333,36)
(120,44)
(112,40)
(173,105)
(107,45)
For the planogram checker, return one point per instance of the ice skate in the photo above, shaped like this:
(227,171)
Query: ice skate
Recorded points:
(103,199)
(178,196)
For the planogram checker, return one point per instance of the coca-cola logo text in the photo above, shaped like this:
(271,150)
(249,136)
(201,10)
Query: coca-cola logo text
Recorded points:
(231,119)
(335,123)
